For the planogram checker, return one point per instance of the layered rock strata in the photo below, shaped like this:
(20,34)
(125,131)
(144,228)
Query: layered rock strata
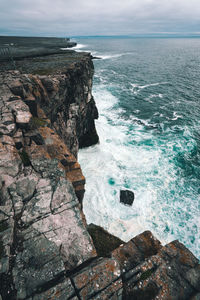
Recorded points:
(46,251)
(42,228)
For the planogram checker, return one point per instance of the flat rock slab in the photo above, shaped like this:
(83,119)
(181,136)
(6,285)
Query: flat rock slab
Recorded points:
(100,280)
(169,272)
(39,263)
(62,291)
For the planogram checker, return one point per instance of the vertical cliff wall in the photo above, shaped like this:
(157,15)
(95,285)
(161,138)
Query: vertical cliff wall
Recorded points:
(46,251)
(42,228)
(66,98)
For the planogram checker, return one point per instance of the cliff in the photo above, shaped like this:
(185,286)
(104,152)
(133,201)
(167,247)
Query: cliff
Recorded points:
(16,48)
(46,252)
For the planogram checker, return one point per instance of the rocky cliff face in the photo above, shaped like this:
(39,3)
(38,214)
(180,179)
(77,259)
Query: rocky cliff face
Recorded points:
(46,251)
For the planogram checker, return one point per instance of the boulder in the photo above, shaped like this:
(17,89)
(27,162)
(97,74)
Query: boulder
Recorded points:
(126,197)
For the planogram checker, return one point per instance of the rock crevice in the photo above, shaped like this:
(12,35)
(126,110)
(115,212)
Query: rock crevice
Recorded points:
(46,251)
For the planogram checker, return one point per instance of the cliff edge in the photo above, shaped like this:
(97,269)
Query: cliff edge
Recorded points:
(46,252)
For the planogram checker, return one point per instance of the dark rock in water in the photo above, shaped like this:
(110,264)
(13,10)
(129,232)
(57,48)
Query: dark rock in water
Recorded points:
(100,280)
(96,57)
(104,242)
(90,138)
(126,197)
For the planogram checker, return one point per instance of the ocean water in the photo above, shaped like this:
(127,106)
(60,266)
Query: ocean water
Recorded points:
(147,91)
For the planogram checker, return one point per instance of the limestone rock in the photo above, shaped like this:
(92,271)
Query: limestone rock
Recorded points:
(46,251)
(101,280)
(62,291)
(21,112)
(130,254)
(170,272)
(42,230)
(36,265)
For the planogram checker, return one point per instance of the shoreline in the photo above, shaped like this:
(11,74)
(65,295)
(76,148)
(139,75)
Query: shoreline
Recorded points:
(47,109)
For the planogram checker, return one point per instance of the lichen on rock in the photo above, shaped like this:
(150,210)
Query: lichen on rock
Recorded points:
(46,251)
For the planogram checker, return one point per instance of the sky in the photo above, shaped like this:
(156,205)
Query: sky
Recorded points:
(98,17)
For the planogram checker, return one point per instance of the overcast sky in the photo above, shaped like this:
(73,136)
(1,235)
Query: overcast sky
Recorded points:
(98,17)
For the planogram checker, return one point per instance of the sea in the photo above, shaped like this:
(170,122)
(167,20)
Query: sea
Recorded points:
(147,91)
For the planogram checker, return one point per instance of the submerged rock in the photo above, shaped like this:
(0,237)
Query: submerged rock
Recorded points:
(127,197)
(42,228)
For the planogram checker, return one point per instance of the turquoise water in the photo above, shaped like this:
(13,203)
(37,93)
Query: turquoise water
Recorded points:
(148,96)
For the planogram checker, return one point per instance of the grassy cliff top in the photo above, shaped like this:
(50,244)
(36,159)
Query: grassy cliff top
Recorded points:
(37,55)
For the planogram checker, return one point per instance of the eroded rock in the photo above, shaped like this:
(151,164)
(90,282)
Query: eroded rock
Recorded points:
(46,251)
(42,229)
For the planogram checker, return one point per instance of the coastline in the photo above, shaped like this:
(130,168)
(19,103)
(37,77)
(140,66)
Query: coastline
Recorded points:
(47,110)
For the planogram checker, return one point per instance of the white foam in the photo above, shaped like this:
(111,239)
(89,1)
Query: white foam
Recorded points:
(151,84)
(113,159)
(176,116)
(77,47)
(109,56)
(155,96)
(136,88)
(134,85)
(129,156)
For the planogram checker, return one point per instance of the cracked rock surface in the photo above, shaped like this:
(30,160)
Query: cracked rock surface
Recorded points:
(46,251)
(42,228)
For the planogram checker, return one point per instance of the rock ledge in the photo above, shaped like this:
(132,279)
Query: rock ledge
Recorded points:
(46,251)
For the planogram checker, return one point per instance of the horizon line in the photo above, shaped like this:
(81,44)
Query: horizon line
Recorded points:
(133,35)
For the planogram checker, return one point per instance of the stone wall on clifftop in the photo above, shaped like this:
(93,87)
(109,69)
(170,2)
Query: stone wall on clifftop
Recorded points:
(46,253)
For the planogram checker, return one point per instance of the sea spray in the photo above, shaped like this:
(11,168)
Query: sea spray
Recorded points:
(149,143)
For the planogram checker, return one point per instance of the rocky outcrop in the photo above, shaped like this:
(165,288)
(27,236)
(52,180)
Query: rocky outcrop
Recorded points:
(15,47)
(46,251)
(66,99)
(150,271)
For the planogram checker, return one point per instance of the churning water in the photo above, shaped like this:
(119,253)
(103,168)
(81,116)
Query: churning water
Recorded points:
(147,92)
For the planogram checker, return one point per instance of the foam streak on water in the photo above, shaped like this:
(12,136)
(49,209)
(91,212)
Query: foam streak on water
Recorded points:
(149,144)
(77,48)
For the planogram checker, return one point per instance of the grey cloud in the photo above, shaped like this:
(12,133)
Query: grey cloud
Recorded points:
(78,17)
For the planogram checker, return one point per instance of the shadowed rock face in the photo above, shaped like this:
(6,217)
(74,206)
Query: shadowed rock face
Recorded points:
(46,251)
(65,97)
(42,229)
